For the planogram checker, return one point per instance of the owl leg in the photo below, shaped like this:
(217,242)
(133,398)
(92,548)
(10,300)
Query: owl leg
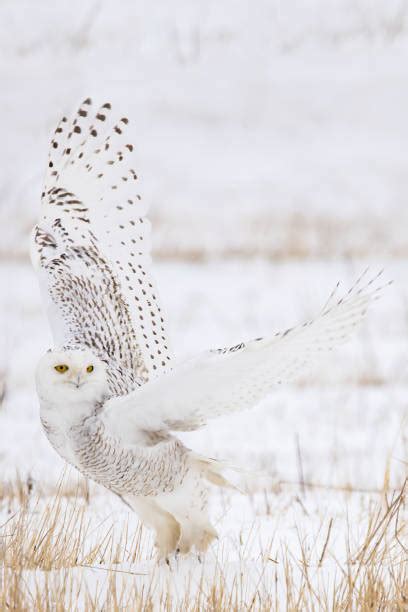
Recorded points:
(167,536)
(167,529)
(196,535)
(188,506)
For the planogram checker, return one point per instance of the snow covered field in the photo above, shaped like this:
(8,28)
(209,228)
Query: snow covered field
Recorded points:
(272,139)
(331,454)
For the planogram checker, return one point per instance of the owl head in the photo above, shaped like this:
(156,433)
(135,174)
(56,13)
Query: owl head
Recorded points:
(71,376)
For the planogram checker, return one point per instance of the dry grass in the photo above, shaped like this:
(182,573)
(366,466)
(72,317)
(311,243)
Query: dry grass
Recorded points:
(280,237)
(277,237)
(51,535)
(21,490)
(51,551)
(3,386)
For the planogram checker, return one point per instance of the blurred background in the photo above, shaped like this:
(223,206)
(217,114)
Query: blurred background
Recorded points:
(271,138)
(274,129)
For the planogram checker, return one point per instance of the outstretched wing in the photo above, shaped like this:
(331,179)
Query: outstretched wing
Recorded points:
(91,246)
(227,380)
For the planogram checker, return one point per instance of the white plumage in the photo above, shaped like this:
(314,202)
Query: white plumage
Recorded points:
(110,400)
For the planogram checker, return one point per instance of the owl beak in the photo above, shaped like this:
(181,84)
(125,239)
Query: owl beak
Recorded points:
(76,380)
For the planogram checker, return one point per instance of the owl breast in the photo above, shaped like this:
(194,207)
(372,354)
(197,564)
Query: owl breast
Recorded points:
(59,440)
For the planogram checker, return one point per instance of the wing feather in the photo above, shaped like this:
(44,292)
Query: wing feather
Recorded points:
(233,379)
(91,246)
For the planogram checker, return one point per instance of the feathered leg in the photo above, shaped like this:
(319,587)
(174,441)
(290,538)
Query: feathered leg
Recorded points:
(196,534)
(167,528)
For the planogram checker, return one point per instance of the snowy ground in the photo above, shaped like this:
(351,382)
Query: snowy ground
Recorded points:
(327,449)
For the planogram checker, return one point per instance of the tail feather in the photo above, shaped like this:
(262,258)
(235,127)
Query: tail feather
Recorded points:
(212,470)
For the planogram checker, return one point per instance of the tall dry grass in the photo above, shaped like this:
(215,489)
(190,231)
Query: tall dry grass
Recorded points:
(53,558)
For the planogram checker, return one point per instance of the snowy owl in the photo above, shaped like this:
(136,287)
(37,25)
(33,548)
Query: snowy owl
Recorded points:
(111,396)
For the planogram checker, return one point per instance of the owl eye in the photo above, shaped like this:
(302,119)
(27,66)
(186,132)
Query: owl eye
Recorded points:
(61,368)
(90,369)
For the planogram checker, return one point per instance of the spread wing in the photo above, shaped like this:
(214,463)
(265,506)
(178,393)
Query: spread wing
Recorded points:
(227,380)
(91,246)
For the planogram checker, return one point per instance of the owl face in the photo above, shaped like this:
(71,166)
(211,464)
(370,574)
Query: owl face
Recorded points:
(71,376)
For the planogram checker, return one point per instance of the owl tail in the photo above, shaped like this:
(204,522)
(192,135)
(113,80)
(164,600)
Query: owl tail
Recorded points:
(212,470)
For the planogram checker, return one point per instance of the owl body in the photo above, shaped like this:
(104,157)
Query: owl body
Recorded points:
(72,414)
(113,399)
(151,471)
(135,469)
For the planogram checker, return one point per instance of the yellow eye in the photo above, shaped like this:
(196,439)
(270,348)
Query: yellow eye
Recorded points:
(90,369)
(61,368)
